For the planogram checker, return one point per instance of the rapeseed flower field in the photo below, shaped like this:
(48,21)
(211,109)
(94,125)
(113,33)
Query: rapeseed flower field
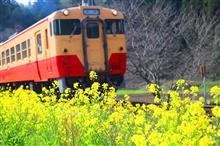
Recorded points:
(93,117)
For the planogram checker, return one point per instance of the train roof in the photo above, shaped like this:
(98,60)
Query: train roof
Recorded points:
(23,31)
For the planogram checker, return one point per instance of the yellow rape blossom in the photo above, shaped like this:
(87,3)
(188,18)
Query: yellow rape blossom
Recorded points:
(206,141)
(194,90)
(93,75)
(216,111)
(156,99)
(139,140)
(218,133)
(152,88)
(92,116)
(139,120)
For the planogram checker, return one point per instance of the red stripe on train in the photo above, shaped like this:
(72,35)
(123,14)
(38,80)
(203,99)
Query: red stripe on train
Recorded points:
(117,63)
(57,67)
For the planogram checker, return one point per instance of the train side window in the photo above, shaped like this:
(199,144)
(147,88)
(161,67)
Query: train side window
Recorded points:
(51,29)
(24,50)
(18,50)
(3,58)
(12,54)
(114,26)
(8,56)
(39,44)
(29,47)
(92,30)
(46,38)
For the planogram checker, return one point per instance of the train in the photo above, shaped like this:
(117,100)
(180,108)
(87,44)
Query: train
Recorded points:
(65,46)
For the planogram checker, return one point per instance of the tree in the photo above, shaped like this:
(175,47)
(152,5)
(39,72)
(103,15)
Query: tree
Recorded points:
(42,8)
(163,43)
(212,7)
(197,31)
(69,3)
(6,9)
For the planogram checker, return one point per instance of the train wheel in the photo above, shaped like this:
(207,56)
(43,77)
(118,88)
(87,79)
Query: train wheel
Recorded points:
(116,81)
(122,85)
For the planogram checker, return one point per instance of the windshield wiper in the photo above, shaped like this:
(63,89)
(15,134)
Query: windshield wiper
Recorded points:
(73,31)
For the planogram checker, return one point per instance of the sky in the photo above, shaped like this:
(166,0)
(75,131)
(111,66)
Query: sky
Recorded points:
(25,2)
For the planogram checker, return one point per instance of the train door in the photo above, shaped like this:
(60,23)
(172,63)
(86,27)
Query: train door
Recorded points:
(47,53)
(94,44)
(39,51)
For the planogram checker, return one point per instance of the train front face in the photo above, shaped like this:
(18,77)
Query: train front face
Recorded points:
(90,38)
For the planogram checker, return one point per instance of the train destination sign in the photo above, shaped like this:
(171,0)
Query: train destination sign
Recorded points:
(91,12)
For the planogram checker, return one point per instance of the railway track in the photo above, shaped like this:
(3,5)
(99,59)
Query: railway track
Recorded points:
(149,99)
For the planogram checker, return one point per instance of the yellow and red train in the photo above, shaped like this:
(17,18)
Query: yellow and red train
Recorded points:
(66,46)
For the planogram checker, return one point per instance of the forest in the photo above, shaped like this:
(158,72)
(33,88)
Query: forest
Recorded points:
(166,39)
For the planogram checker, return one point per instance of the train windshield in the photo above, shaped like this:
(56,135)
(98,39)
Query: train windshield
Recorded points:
(114,26)
(66,27)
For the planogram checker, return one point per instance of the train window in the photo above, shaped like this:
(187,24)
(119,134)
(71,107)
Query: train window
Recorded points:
(50,29)
(114,26)
(56,28)
(39,44)
(12,54)
(46,38)
(18,50)
(29,47)
(92,30)
(24,49)
(3,58)
(8,56)
(67,27)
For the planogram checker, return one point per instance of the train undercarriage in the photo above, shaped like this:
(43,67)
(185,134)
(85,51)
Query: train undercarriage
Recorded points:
(116,81)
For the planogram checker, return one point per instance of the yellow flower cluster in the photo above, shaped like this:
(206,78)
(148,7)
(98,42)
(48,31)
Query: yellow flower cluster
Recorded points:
(93,75)
(152,88)
(93,117)
(215,93)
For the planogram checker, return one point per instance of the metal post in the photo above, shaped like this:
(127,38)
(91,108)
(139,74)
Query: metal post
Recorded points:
(204,85)
(31,85)
(62,85)
(203,74)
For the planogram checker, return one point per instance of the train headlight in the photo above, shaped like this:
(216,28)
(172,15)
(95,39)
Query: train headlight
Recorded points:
(65,12)
(114,12)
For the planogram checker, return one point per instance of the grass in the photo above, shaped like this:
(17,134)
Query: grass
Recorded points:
(209,85)
(131,91)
